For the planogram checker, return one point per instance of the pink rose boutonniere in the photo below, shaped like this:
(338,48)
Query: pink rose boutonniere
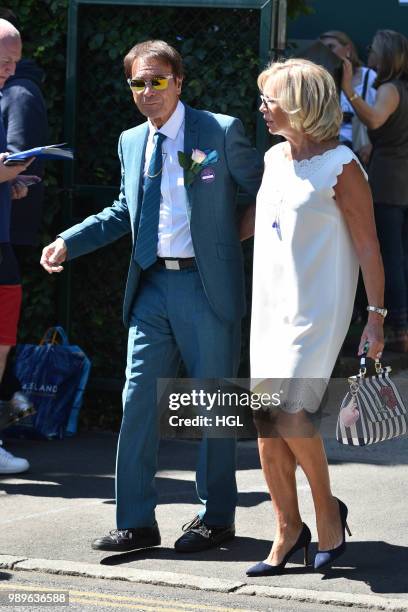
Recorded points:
(194,163)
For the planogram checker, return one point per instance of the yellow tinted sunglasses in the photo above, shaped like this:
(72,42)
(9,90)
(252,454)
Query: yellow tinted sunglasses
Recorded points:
(159,83)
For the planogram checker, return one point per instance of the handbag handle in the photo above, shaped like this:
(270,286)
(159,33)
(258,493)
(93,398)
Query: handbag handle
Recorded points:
(377,363)
(354,381)
(55,331)
(379,368)
(365,84)
(363,367)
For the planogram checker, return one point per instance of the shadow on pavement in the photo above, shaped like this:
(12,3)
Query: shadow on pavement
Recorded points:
(69,486)
(77,486)
(377,564)
(382,566)
(83,467)
(240,549)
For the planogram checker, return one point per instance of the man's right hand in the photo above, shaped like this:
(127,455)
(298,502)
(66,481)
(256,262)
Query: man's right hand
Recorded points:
(53,255)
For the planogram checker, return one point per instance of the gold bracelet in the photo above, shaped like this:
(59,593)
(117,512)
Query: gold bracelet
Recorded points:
(353,97)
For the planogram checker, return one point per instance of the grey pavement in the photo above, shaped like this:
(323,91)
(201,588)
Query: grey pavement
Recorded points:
(49,515)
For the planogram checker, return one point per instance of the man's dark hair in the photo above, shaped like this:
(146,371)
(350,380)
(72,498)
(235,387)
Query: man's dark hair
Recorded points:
(8,15)
(158,50)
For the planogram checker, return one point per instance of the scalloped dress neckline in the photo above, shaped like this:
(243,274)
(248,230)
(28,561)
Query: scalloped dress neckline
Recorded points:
(314,157)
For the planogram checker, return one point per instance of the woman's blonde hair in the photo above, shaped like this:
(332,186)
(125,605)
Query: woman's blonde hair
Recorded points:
(307,93)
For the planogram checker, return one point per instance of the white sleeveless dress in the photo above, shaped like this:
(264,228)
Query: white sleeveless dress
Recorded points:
(305,267)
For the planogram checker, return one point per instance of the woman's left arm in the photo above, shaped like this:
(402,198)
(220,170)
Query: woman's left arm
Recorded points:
(353,197)
(386,102)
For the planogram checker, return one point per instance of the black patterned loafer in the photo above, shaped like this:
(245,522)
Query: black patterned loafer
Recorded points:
(199,536)
(122,540)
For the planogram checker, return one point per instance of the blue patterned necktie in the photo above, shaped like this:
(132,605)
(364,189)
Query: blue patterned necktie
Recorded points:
(147,235)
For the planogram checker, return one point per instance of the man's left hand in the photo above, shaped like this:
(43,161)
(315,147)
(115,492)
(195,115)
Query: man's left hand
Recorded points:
(20,185)
(18,190)
(247,223)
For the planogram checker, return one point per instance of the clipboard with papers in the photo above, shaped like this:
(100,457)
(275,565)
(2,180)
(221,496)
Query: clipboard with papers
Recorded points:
(47,152)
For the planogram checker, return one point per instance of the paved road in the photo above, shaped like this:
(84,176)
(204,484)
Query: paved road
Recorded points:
(53,512)
(86,595)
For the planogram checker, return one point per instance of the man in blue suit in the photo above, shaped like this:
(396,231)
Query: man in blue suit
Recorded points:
(185,295)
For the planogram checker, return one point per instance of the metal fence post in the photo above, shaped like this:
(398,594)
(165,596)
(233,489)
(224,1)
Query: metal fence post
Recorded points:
(64,296)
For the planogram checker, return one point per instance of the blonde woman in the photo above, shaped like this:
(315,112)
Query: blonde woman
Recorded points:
(314,226)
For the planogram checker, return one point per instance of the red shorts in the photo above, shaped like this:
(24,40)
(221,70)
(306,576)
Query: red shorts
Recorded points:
(10,306)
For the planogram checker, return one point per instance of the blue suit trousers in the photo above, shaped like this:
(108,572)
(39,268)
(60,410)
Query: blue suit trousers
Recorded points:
(172,320)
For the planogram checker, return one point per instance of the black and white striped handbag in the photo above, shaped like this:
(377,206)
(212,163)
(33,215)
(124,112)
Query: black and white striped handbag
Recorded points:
(373,410)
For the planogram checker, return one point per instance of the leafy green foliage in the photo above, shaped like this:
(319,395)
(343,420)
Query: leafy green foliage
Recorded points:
(298,7)
(220,55)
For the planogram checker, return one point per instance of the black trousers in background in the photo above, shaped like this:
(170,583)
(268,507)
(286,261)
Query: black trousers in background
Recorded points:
(392,230)
(10,384)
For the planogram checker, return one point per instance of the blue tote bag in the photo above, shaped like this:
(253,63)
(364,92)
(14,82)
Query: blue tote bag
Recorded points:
(53,375)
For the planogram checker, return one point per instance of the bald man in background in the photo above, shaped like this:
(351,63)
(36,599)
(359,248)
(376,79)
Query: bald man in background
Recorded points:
(10,188)
(24,116)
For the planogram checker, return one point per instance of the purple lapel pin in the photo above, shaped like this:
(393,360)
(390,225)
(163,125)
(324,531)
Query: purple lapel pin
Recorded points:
(207,175)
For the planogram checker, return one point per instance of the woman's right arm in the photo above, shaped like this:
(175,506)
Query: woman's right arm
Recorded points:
(353,197)
(386,102)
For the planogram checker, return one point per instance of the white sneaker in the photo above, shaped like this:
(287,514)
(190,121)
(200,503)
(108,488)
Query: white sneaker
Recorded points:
(10,464)
(20,402)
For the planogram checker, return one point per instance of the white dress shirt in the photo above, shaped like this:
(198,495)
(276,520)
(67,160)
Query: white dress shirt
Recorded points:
(174,229)
(346,129)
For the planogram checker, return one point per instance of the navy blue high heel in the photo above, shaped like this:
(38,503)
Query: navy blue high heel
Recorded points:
(325,558)
(264,569)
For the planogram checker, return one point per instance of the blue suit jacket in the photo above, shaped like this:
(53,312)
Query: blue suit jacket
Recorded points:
(211,208)
(25,120)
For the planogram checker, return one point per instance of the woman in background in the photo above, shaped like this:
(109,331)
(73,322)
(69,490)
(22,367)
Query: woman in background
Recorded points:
(363,80)
(387,123)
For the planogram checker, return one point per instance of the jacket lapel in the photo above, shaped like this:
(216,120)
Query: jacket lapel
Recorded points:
(137,164)
(191,134)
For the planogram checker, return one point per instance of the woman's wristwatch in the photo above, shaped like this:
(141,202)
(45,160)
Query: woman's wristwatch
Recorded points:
(378,310)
